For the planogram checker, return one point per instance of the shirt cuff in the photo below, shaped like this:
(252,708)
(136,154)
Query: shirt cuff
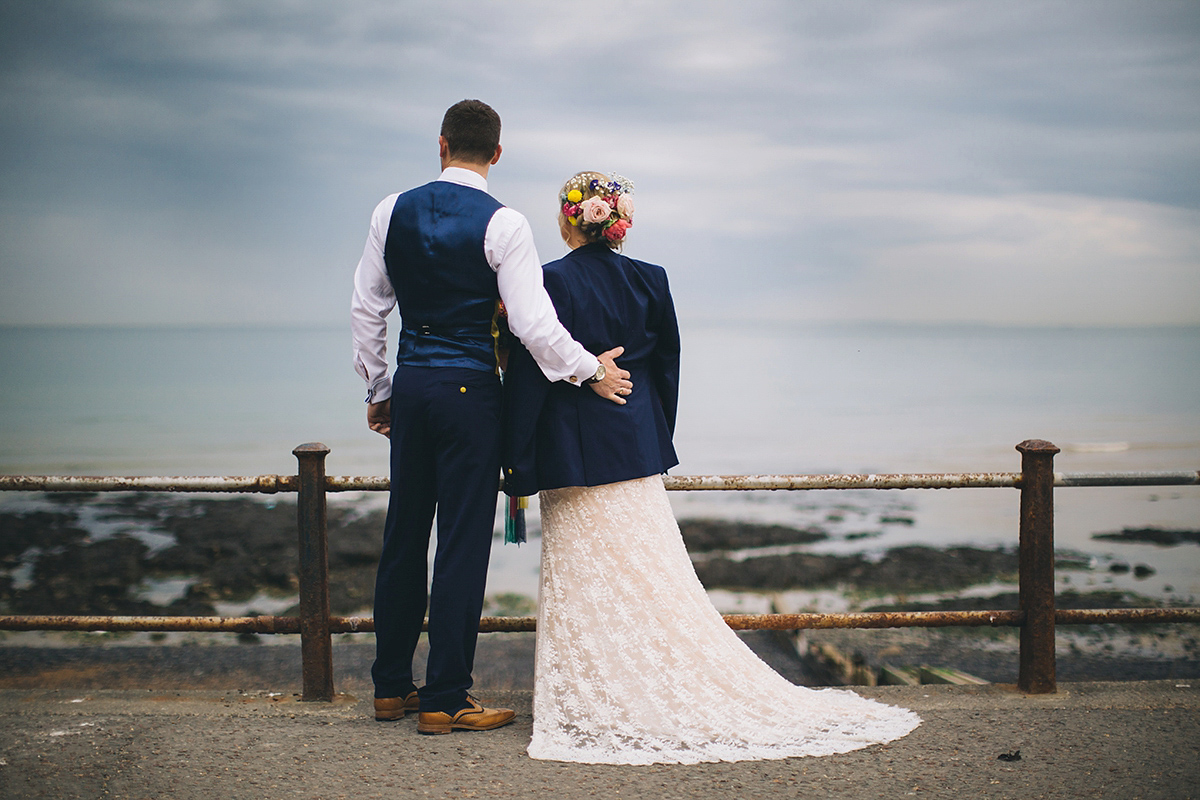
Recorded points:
(381,390)
(584,371)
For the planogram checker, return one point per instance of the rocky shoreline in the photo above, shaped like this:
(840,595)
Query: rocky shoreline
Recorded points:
(133,554)
(157,554)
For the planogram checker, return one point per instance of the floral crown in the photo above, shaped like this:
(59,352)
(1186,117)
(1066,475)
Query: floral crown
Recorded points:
(610,205)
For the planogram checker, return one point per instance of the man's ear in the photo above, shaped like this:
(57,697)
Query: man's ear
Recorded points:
(443,148)
(496,157)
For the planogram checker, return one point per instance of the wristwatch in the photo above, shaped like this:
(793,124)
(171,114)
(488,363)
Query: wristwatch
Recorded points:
(599,376)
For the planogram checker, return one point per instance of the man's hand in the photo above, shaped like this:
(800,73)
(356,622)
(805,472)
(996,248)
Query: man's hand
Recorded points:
(616,383)
(379,417)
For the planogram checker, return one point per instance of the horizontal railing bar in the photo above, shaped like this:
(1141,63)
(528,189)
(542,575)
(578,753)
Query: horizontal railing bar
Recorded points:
(354,483)
(786,622)
(262,484)
(263,624)
(1125,616)
(271,484)
(1180,478)
(875,619)
(688,483)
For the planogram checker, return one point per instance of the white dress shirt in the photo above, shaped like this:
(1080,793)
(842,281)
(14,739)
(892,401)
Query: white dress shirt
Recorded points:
(509,249)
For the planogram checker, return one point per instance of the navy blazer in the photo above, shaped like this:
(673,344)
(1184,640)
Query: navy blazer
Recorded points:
(558,434)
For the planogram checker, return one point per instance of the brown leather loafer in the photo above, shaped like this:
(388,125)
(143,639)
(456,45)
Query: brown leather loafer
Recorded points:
(389,709)
(473,718)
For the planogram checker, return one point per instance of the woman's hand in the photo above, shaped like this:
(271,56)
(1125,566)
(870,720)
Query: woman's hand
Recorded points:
(615,385)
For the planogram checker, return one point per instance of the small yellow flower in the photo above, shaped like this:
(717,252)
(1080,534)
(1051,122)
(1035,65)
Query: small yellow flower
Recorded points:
(574,196)
(573,220)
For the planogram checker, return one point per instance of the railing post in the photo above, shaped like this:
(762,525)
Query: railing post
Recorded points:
(316,648)
(1037,674)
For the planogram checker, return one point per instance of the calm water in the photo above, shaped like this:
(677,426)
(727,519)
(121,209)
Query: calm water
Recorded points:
(756,398)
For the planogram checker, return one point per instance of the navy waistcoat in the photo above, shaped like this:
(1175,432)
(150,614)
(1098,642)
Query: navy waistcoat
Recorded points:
(445,289)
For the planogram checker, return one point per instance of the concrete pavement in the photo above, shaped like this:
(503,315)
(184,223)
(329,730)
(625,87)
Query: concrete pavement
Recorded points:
(1090,740)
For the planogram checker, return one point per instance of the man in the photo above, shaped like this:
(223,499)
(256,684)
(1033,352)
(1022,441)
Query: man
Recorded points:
(446,253)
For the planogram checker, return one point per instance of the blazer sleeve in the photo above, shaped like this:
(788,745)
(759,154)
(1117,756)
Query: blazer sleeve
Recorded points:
(665,358)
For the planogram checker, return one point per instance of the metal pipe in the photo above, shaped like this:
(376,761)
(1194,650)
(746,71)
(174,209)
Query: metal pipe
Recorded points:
(1036,565)
(875,619)
(151,624)
(271,484)
(1124,616)
(316,648)
(869,619)
(960,480)
(261,484)
(1180,478)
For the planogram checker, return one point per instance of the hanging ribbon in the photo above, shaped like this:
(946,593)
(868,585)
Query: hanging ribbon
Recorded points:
(514,520)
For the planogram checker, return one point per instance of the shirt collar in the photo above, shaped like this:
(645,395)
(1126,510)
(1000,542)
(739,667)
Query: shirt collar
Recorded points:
(464,177)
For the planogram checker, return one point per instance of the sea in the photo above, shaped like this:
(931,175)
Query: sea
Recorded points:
(757,397)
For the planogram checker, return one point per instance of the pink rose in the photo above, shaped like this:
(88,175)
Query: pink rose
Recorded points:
(625,206)
(595,210)
(616,231)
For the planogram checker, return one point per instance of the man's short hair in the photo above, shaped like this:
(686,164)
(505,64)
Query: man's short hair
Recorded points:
(472,131)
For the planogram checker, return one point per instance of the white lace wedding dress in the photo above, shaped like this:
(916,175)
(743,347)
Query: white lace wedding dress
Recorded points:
(635,666)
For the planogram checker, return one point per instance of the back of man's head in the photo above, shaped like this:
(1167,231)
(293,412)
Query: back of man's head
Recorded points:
(471,129)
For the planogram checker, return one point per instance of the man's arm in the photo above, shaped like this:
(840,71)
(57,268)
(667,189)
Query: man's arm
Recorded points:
(370,305)
(510,250)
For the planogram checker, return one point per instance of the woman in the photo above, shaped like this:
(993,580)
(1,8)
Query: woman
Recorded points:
(633,663)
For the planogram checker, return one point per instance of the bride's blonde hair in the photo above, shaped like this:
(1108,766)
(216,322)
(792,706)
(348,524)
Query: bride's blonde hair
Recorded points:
(599,206)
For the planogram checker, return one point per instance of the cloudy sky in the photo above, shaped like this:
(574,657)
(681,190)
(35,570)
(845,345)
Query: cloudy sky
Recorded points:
(217,162)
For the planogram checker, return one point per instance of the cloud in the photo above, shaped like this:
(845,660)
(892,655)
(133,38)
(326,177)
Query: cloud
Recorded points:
(912,160)
(1018,259)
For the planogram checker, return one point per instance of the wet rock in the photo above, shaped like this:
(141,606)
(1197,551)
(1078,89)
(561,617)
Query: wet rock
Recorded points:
(355,539)
(94,578)
(1160,536)
(924,569)
(707,535)
(777,572)
(902,570)
(238,546)
(45,530)
(352,589)
(233,548)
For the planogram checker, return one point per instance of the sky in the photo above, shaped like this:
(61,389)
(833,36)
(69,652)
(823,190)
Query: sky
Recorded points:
(216,163)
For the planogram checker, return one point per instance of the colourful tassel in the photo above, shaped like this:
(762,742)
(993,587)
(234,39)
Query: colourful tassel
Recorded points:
(514,520)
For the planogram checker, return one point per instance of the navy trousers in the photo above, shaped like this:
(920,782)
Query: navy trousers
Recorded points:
(445,457)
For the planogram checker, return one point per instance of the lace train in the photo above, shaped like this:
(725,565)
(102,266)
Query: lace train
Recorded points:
(635,666)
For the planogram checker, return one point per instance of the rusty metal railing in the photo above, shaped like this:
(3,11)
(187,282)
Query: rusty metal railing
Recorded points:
(1036,616)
